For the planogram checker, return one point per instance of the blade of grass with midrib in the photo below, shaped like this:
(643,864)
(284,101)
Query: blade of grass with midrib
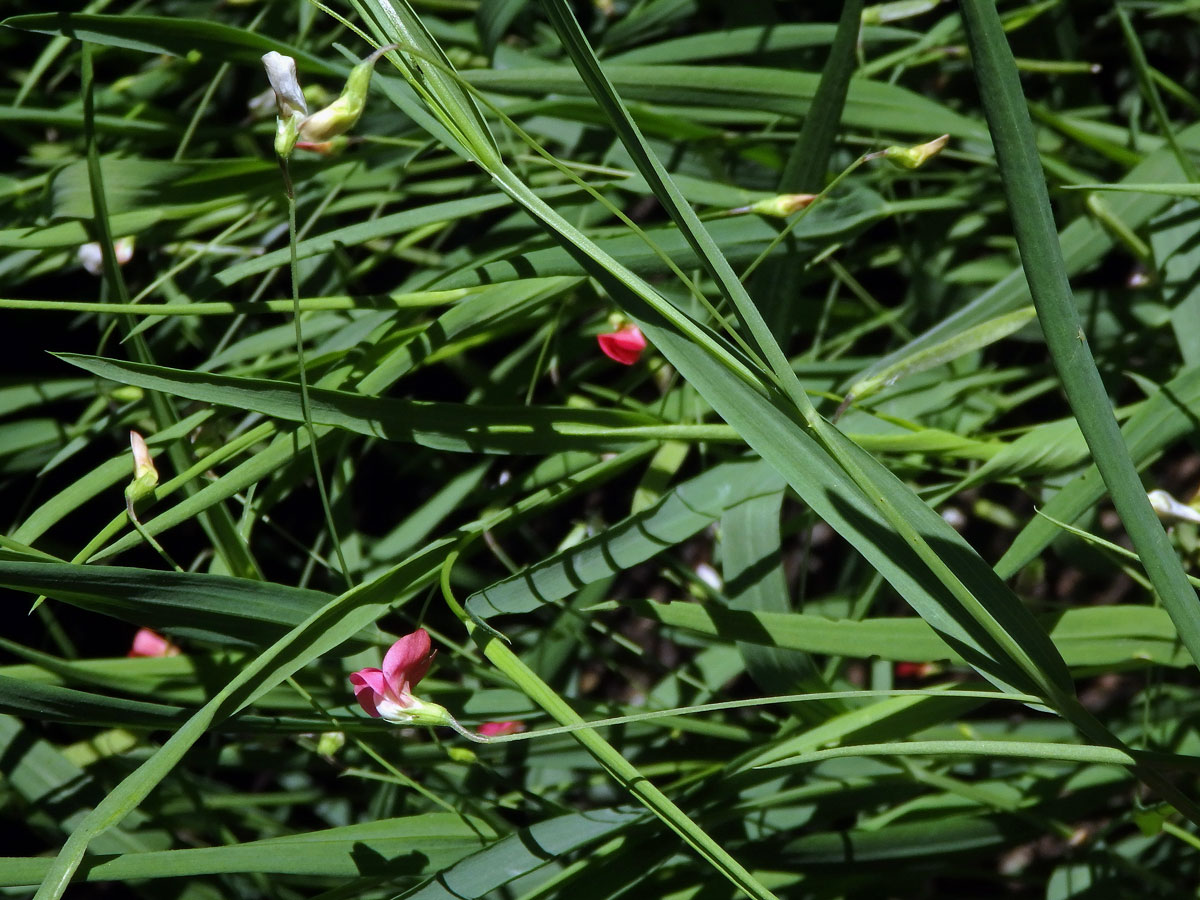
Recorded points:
(1049,284)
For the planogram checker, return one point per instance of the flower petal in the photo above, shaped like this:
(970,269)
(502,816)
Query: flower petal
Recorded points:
(496,729)
(407,662)
(624,346)
(369,687)
(281,70)
(151,643)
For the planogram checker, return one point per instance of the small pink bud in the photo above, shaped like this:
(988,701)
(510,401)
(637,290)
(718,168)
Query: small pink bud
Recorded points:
(624,346)
(915,670)
(498,729)
(151,643)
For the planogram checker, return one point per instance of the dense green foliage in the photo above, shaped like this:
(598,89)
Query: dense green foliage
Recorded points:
(848,586)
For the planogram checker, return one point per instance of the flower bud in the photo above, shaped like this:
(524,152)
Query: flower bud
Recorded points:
(781,206)
(624,346)
(290,107)
(913,157)
(330,742)
(500,729)
(145,476)
(147,643)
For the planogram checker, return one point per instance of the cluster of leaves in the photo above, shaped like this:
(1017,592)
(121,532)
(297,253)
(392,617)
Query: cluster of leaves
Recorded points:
(383,405)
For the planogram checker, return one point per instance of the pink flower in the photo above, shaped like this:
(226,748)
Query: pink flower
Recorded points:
(915,670)
(496,729)
(387,693)
(151,643)
(624,346)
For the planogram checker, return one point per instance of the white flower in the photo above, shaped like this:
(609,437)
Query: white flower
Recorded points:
(91,257)
(1171,510)
(281,71)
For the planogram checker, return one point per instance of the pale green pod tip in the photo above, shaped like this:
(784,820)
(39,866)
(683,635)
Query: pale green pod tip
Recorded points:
(341,115)
(330,742)
(916,156)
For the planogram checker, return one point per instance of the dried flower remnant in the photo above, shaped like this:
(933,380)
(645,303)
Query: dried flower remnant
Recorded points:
(332,147)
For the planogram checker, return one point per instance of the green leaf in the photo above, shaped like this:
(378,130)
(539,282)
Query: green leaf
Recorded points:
(170,35)
(873,105)
(681,513)
(414,845)
(443,426)
(1105,637)
(209,607)
(522,853)
(1033,222)
(1167,416)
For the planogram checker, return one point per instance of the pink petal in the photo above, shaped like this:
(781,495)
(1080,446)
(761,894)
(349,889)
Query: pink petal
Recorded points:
(496,729)
(624,346)
(368,688)
(151,643)
(407,662)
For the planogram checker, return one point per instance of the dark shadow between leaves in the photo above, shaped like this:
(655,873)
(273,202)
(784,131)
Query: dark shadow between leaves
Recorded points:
(370,861)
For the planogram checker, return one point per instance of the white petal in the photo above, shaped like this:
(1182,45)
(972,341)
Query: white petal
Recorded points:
(123,250)
(709,576)
(1171,510)
(92,258)
(281,70)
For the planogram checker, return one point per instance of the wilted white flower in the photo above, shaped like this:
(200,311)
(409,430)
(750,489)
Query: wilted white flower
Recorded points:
(281,71)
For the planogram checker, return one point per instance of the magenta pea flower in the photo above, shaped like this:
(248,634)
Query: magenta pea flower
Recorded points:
(498,729)
(151,643)
(916,670)
(387,693)
(624,345)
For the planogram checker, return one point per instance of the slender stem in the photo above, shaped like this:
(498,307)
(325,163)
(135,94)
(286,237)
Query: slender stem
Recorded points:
(147,536)
(305,408)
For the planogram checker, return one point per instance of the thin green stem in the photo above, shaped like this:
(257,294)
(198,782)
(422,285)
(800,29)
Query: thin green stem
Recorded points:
(305,407)
(722,705)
